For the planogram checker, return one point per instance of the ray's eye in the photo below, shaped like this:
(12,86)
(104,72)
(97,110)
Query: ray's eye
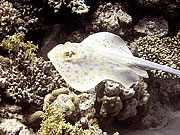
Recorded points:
(69,54)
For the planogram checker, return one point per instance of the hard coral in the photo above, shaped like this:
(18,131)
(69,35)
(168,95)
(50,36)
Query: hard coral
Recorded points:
(54,123)
(110,17)
(152,27)
(12,127)
(15,43)
(118,103)
(16,17)
(77,6)
(76,108)
(27,79)
(164,51)
(9,111)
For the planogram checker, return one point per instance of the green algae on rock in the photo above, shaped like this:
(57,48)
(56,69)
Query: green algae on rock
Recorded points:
(161,50)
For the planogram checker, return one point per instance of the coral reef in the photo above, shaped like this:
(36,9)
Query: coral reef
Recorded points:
(16,17)
(13,127)
(152,26)
(66,109)
(27,79)
(110,17)
(118,103)
(164,51)
(77,6)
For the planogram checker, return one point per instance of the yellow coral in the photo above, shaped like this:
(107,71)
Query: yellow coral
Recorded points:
(54,123)
(16,43)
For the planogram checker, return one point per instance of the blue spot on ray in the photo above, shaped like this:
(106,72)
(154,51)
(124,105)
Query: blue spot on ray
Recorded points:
(122,74)
(95,65)
(100,69)
(85,56)
(79,65)
(76,71)
(85,73)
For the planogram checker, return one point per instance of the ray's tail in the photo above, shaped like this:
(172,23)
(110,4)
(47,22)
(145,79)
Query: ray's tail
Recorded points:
(145,64)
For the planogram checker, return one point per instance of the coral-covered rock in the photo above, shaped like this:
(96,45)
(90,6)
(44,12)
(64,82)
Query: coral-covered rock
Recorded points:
(110,17)
(12,127)
(118,103)
(152,27)
(11,112)
(35,119)
(16,17)
(28,78)
(77,6)
(74,114)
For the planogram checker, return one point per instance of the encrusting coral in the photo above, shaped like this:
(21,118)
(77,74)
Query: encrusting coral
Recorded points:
(77,6)
(16,17)
(27,78)
(164,51)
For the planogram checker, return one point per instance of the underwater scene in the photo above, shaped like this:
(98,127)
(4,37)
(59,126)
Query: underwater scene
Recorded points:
(89,67)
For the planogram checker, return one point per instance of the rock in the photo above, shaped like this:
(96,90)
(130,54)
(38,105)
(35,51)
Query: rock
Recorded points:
(152,27)
(14,127)
(55,35)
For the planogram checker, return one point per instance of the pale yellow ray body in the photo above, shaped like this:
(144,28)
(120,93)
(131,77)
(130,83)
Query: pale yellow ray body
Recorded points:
(100,56)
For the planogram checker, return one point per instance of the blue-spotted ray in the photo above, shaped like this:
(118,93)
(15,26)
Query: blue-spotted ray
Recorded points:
(101,56)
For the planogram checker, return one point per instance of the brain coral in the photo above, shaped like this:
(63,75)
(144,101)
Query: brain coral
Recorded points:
(16,17)
(164,51)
